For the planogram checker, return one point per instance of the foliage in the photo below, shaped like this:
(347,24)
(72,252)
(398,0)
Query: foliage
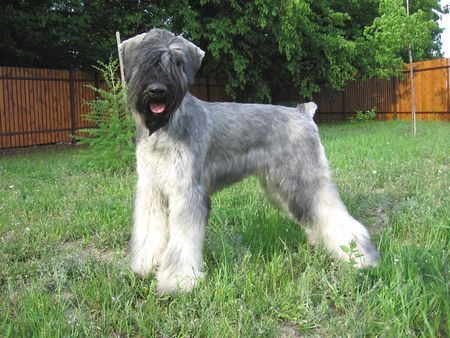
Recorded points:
(64,233)
(365,115)
(352,253)
(259,49)
(112,143)
(389,36)
(431,11)
(67,33)
(263,47)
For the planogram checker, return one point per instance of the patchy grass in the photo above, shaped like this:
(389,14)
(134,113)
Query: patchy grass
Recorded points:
(64,229)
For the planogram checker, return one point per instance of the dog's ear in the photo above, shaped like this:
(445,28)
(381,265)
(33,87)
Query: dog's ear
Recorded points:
(194,60)
(128,50)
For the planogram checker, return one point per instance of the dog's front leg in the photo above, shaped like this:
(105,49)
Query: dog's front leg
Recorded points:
(181,264)
(150,230)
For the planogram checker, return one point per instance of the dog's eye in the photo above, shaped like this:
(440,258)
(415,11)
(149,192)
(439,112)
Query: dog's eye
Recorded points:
(179,64)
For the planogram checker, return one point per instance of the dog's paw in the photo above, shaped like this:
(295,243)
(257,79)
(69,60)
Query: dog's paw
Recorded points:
(360,252)
(142,265)
(170,282)
(366,254)
(346,239)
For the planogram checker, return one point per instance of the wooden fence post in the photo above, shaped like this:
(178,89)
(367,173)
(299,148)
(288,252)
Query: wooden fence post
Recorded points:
(395,96)
(96,84)
(73,111)
(448,85)
(208,89)
(343,104)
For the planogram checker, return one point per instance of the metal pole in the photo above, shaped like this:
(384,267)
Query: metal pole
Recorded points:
(411,74)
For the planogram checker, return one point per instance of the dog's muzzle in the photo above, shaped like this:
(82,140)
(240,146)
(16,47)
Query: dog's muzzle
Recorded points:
(159,98)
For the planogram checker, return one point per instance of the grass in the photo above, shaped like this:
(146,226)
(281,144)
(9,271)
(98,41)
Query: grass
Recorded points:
(64,229)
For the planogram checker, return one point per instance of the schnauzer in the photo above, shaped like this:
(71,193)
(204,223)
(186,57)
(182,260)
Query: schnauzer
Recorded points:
(187,149)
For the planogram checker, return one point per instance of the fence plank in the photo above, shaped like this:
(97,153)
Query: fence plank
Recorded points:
(25,109)
(3,129)
(15,102)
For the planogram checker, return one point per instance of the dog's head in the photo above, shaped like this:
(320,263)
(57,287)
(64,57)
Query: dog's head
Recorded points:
(159,66)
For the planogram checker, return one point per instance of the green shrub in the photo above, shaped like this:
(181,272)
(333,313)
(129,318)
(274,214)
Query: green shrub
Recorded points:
(111,144)
(365,115)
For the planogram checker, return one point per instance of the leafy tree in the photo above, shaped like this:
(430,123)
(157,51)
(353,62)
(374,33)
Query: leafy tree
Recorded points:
(384,43)
(431,10)
(259,48)
(67,33)
(263,47)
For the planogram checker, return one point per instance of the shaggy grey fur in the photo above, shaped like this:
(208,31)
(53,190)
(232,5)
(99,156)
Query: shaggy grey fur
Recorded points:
(187,149)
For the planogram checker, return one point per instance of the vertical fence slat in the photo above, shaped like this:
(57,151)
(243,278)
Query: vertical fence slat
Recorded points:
(447,88)
(40,109)
(27,108)
(46,108)
(3,142)
(2,112)
(72,103)
(15,102)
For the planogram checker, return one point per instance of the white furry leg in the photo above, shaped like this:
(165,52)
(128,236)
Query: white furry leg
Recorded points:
(181,265)
(150,230)
(341,234)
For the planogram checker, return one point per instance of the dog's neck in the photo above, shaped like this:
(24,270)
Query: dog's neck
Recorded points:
(154,124)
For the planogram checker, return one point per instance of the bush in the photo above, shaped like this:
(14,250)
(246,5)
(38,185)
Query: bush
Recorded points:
(365,115)
(111,144)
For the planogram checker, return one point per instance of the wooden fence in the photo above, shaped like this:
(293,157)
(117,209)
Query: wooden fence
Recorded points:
(391,98)
(45,106)
(42,106)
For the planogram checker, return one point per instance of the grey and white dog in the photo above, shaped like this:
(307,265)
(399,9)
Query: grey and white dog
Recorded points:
(187,149)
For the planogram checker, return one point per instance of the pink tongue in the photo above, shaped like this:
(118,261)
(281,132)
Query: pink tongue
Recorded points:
(157,108)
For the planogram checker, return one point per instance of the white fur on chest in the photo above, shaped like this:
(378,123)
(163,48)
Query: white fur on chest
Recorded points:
(162,162)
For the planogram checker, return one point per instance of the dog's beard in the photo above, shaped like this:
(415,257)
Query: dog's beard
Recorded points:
(156,110)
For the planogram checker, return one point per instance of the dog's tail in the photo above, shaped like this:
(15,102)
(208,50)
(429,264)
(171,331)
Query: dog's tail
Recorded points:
(308,108)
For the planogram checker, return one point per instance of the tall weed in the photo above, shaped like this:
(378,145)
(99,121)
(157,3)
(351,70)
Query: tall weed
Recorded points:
(368,115)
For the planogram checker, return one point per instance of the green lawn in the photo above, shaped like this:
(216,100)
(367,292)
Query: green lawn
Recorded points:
(64,229)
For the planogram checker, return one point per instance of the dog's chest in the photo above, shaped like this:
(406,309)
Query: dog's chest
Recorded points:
(167,162)
(156,151)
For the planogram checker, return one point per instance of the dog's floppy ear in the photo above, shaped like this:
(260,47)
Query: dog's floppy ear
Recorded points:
(129,54)
(194,60)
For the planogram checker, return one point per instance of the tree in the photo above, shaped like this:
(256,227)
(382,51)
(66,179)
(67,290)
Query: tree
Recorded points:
(384,43)
(258,48)
(67,33)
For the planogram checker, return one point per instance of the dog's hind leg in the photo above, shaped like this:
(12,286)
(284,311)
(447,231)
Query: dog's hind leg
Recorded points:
(181,265)
(342,235)
(303,189)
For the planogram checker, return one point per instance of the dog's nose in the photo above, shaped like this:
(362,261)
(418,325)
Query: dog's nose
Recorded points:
(157,88)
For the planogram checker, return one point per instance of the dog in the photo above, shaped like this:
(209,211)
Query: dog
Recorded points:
(187,149)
